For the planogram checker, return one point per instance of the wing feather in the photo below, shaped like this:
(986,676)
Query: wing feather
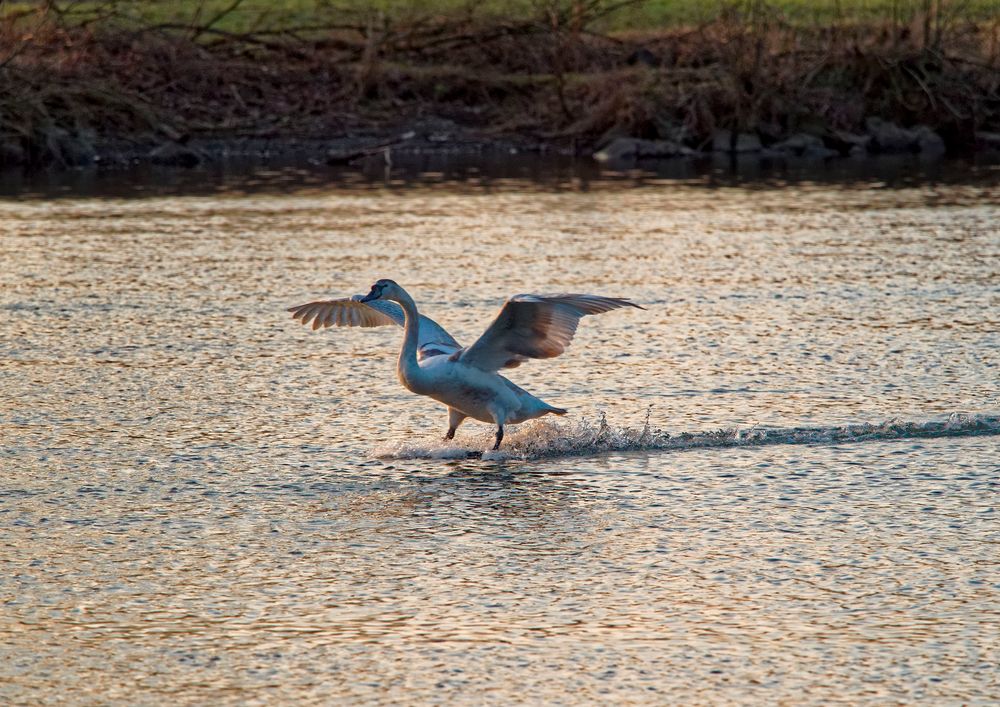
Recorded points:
(340,312)
(432,339)
(535,326)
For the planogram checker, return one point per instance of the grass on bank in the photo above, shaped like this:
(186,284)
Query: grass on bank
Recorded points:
(273,16)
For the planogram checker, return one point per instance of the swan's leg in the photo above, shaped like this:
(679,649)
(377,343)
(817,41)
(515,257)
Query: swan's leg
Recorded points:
(455,419)
(499,416)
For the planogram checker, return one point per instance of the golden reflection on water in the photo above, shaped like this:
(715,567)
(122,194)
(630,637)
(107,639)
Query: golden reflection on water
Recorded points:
(193,508)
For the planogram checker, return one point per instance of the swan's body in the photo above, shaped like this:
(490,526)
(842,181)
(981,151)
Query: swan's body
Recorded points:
(466,380)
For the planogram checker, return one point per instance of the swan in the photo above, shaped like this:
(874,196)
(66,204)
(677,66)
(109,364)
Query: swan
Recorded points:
(466,380)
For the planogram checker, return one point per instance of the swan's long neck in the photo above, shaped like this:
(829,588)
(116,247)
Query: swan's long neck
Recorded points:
(407,366)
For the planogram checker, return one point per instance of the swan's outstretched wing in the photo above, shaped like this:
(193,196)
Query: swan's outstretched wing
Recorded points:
(432,339)
(345,312)
(535,326)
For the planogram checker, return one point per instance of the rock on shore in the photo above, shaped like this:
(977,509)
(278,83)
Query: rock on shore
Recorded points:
(880,137)
(627,148)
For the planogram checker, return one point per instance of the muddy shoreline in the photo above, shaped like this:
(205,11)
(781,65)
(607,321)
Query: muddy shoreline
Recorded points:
(357,147)
(440,139)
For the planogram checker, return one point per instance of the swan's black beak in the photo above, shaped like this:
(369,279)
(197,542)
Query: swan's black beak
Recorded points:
(374,294)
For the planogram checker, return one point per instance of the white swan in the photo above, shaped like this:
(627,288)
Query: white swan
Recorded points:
(432,363)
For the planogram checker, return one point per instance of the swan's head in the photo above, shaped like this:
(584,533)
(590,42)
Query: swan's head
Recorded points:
(383,289)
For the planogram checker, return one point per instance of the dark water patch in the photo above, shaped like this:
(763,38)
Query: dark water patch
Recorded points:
(494,173)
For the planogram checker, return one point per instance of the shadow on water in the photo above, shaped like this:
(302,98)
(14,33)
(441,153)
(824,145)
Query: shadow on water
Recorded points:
(492,172)
(464,498)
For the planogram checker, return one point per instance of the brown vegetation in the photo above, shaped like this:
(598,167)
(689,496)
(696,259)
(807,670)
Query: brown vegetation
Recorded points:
(68,91)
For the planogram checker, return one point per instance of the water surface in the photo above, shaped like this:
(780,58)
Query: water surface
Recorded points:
(778,483)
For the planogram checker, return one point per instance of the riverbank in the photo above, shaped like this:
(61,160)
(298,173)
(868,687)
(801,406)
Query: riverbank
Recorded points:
(745,81)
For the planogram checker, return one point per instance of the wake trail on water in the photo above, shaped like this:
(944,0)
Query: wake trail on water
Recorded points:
(545,439)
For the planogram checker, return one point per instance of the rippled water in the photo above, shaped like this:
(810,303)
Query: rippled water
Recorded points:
(778,483)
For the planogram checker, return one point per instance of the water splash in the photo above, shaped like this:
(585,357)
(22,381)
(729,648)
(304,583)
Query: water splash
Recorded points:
(542,439)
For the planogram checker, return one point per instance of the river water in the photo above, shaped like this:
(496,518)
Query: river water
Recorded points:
(778,483)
